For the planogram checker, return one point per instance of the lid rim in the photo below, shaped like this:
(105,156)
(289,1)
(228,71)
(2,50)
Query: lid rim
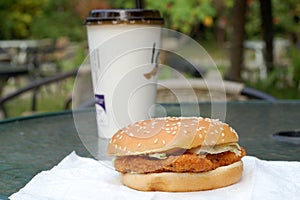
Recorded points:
(123,15)
(118,19)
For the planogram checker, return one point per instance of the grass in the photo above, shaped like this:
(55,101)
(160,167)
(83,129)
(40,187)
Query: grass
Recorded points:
(280,92)
(45,103)
(51,97)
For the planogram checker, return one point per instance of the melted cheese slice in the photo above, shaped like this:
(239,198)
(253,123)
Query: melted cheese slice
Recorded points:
(232,147)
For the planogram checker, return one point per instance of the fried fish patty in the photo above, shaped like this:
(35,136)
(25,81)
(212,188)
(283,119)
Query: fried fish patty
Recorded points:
(187,162)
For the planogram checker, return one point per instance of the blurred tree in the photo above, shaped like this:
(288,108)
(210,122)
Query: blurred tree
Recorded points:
(18,16)
(58,19)
(267,31)
(45,18)
(181,15)
(237,39)
(286,17)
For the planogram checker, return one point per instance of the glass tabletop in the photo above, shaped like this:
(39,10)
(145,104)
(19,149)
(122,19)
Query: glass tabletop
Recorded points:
(33,144)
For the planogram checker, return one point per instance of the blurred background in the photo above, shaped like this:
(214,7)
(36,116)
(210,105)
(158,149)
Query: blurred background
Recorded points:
(255,42)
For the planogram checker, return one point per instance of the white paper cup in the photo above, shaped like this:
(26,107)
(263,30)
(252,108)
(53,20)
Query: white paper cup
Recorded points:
(124,47)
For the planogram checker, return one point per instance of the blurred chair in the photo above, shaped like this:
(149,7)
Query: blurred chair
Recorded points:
(179,90)
(46,56)
(255,66)
(196,90)
(34,86)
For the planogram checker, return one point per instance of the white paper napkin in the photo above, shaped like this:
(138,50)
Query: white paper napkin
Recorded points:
(85,178)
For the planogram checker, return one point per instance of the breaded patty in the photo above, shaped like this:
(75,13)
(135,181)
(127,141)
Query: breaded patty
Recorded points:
(187,162)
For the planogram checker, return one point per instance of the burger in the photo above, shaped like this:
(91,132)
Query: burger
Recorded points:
(177,154)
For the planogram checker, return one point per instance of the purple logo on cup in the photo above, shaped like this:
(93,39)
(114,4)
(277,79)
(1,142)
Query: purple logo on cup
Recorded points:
(100,100)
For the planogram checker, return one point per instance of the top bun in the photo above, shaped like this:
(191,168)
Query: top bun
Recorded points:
(163,134)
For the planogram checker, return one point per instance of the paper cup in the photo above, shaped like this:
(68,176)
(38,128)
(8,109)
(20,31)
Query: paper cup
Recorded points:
(124,47)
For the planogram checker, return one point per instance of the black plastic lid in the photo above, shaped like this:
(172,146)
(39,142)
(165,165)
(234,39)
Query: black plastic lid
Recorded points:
(128,16)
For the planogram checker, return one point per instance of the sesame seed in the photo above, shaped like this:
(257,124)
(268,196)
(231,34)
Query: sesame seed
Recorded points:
(200,135)
(155,141)
(200,128)
(124,149)
(131,134)
(117,136)
(120,137)
(223,134)
(174,132)
(216,131)
(164,142)
(139,145)
(154,122)
(116,146)
(185,132)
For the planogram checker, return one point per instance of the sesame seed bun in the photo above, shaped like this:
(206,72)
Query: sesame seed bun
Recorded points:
(184,182)
(163,134)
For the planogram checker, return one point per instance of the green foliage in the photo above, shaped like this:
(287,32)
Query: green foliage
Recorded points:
(57,24)
(286,17)
(58,20)
(180,15)
(283,81)
(277,85)
(55,18)
(253,25)
(18,16)
(39,19)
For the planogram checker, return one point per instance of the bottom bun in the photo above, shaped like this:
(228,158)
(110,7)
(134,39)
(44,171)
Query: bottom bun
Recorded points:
(185,182)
